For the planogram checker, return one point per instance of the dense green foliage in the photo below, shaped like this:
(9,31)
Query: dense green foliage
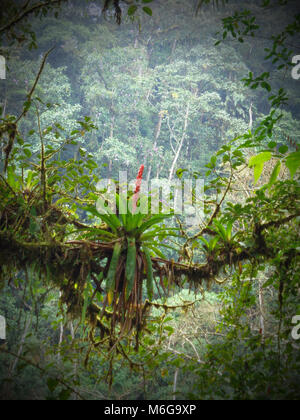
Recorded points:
(137,306)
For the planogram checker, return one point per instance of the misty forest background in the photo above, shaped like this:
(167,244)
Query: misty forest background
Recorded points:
(158,90)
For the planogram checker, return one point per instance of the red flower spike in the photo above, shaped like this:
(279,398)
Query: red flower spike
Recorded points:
(138,187)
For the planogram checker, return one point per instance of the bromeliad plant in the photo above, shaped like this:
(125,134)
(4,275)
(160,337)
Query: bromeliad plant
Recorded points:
(129,273)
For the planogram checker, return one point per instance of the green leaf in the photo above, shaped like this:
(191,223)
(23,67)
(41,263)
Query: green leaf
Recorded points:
(283,149)
(159,232)
(206,243)
(180,172)
(150,279)
(157,251)
(28,153)
(258,169)
(272,144)
(110,219)
(151,243)
(219,228)
(169,329)
(12,178)
(275,173)
(147,10)
(132,9)
(111,275)
(266,85)
(229,230)
(268,282)
(29,178)
(258,163)
(52,384)
(99,233)
(154,220)
(65,394)
(130,266)
(293,163)
(122,206)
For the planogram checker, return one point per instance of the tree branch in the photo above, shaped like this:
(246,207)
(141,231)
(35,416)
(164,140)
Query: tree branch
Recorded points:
(24,13)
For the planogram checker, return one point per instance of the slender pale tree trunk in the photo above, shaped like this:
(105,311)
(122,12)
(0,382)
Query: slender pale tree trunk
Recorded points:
(111,135)
(194,348)
(180,142)
(61,335)
(175,383)
(157,134)
(174,47)
(75,396)
(261,310)
(250,117)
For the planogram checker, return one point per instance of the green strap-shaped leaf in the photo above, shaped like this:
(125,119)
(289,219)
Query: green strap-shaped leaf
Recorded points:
(157,244)
(111,275)
(130,266)
(122,207)
(110,219)
(159,232)
(229,231)
(157,251)
(150,279)
(133,221)
(154,220)
(220,230)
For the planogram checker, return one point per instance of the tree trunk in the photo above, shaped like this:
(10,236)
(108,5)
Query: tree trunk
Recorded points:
(61,335)
(175,383)
(261,310)
(75,396)
(157,134)
(180,144)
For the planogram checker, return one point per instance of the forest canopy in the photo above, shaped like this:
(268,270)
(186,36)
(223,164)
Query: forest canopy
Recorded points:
(104,297)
